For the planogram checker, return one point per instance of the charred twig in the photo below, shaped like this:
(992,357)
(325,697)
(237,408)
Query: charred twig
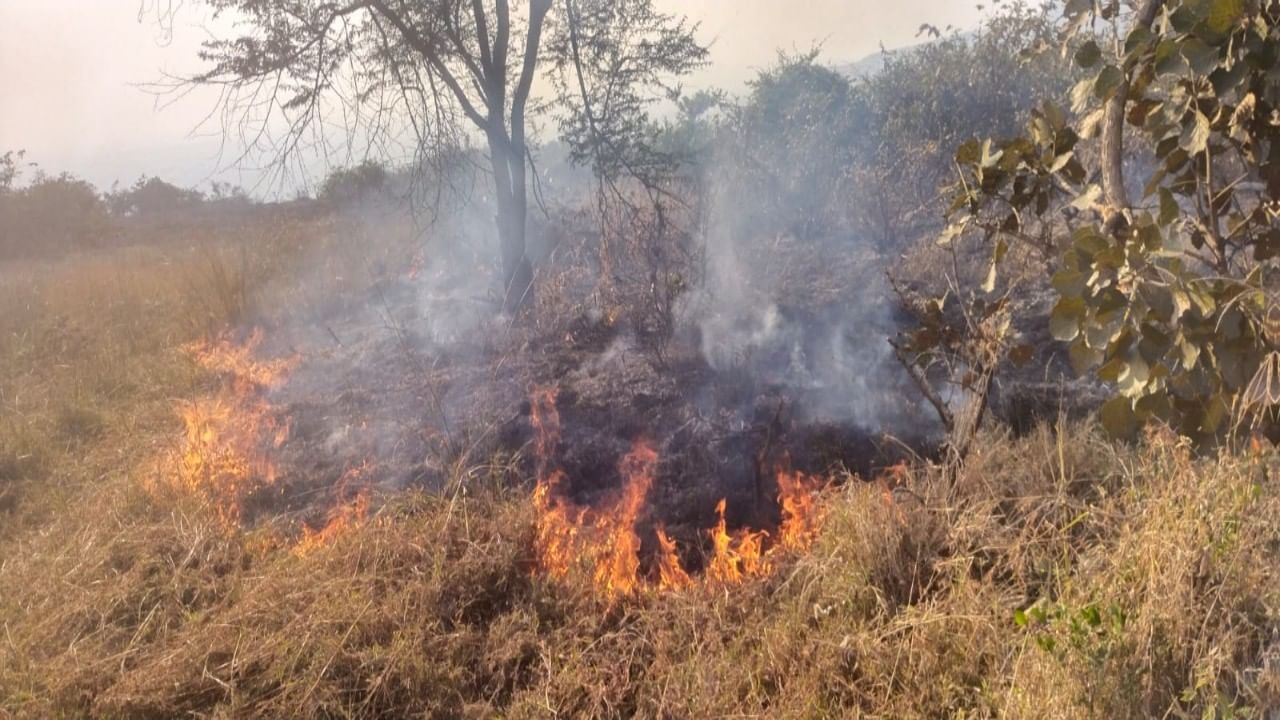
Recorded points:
(762,457)
(334,335)
(926,389)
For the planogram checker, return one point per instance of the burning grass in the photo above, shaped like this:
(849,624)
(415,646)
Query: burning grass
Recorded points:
(920,600)
(603,542)
(224,456)
(1060,575)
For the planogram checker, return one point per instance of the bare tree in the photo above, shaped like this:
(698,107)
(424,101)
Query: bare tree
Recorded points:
(371,71)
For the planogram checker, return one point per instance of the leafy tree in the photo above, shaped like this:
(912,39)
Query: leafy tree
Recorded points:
(800,127)
(10,170)
(438,68)
(1168,292)
(53,214)
(354,183)
(924,101)
(152,196)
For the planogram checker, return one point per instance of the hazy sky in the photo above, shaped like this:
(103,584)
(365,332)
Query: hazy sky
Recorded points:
(70,72)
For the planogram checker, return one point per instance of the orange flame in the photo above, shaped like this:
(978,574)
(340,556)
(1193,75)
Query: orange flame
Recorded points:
(800,516)
(671,574)
(223,456)
(617,547)
(738,556)
(603,541)
(345,515)
(568,535)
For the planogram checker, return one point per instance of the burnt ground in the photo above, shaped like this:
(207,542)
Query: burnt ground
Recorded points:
(378,384)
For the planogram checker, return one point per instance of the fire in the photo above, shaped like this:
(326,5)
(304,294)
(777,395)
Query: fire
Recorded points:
(738,556)
(567,535)
(603,541)
(671,574)
(345,515)
(617,565)
(800,518)
(223,454)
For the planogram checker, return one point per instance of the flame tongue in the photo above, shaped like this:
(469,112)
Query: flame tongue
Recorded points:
(671,574)
(738,556)
(799,510)
(568,535)
(617,569)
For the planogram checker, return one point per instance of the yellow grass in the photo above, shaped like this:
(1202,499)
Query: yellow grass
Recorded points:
(1061,576)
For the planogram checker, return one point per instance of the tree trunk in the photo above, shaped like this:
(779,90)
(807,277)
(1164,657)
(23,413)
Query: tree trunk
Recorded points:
(1115,195)
(517,273)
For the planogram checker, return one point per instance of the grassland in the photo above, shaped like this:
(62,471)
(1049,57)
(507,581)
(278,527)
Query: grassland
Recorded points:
(1059,575)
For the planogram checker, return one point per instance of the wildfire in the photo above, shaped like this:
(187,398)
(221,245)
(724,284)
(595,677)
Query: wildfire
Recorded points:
(735,557)
(568,535)
(345,515)
(671,574)
(223,455)
(603,541)
(799,510)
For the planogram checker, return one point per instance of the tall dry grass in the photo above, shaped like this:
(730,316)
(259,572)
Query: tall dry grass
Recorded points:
(1061,575)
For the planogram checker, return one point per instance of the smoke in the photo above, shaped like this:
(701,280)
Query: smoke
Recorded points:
(812,316)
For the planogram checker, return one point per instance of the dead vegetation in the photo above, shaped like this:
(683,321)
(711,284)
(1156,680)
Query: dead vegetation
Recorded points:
(1056,575)
(1062,577)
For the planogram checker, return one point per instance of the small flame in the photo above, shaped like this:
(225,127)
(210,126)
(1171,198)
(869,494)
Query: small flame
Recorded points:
(671,574)
(800,517)
(346,514)
(738,556)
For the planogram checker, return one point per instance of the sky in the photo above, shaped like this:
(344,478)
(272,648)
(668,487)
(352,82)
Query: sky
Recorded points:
(74,74)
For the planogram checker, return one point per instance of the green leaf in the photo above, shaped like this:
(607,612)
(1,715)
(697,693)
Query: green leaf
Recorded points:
(1139,38)
(1108,81)
(1083,358)
(1201,57)
(969,152)
(1064,321)
(1068,282)
(1169,210)
(1020,618)
(1088,55)
(1224,14)
(1091,615)
(1195,137)
(1135,375)
(1118,418)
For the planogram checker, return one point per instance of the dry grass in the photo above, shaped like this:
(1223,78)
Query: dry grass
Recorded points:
(1061,576)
